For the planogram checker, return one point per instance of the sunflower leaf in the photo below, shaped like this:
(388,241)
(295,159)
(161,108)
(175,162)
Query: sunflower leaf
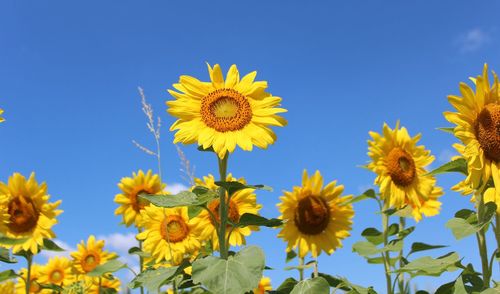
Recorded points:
(343,284)
(7,275)
(290,255)
(368,194)
(5,256)
(153,279)
(467,224)
(184,198)
(138,251)
(11,241)
(54,287)
(248,219)
(429,266)
(447,130)
(108,267)
(316,285)
(51,246)
(193,211)
(286,287)
(236,275)
(457,165)
(418,246)
(234,186)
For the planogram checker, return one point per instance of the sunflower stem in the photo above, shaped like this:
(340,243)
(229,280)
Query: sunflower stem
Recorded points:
(100,285)
(315,272)
(385,255)
(141,262)
(301,268)
(481,240)
(497,233)
(401,277)
(223,207)
(29,260)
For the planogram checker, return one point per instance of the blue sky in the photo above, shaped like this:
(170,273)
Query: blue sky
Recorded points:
(69,74)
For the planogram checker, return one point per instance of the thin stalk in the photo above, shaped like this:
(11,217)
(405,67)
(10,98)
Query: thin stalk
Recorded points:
(481,240)
(174,287)
(141,264)
(29,260)
(301,268)
(385,255)
(401,277)
(497,232)
(100,285)
(223,208)
(315,272)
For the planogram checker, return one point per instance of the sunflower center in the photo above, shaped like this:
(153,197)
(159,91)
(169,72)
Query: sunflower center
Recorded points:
(401,167)
(56,276)
(90,262)
(487,130)
(312,215)
(233,213)
(174,229)
(138,203)
(225,110)
(23,215)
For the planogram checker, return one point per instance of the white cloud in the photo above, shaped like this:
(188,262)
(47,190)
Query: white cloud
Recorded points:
(118,242)
(49,254)
(175,188)
(446,155)
(473,40)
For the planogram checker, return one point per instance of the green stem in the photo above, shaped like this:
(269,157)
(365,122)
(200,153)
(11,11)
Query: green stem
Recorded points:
(315,272)
(481,240)
(100,285)
(29,260)
(385,255)
(223,208)
(301,268)
(401,277)
(497,232)
(141,263)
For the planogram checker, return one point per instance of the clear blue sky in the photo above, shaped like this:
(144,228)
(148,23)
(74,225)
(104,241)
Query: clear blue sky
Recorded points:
(69,73)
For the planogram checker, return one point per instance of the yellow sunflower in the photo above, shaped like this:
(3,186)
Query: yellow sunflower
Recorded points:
(316,218)
(90,255)
(429,207)
(225,113)
(400,167)
(477,120)
(130,204)
(57,271)
(31,216)
(241,202)
(264,286)
(1,118)
(168,233)
(8,287)
(34,280)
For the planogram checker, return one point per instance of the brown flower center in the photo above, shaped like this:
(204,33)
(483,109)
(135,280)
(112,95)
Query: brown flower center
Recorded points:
(174,229)
(401,167)
(90,261)
(138,203)
(487,131)
(23,215)
(225,110)
(312,215)
(56,276)
(233,212)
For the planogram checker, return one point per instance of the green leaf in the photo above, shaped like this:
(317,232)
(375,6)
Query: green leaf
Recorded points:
(367,249)
(51,246)
(447,130)
(457,165)
(368,194)
(108,267)
(334,282)
(238,274)
(153,279)
(345,285)
(7,275)
(209,149)
(287,286)
(204,195)
(373,235)
(234,186)
(248,219)
(59,289)
(406,232)
(316,285)
(184,198)
(418,246)
(5,256)
(431,266)
(461,228)
(137,251)
(380,260)
(193,211)
(11,241)
(290,255)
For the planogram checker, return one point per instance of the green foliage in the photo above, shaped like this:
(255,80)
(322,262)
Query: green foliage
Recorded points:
(5,256)
(419,246)
(248,219)
(367,249)
(447,130)
(11,241)
(465,222)
(153,279)
(290,255)
(51,246)
(286,287)
(316,285)
(457,165)
(238,274)
(429,266)
(108,267)
(368,194)
(137,251)
(234,186)
(7,275)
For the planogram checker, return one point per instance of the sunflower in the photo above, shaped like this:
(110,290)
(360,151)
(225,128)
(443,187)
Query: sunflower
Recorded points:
(477,120)
(90,255)
(429,207)
(316,218)
(130,204)
(400,167)
(241,202)
(30,214)
(168,233)
(222,114)
(1,118)
(34,279)
(8,287)
(264,286)
(57,271)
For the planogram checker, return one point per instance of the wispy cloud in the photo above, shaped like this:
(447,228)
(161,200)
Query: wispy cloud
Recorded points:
(175,188)
(49,254)
(446,155)
(473,40)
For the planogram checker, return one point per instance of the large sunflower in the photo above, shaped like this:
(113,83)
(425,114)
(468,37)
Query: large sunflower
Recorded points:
(316,218)
(8,287)
(168,233)
(31,216)
(34,280)
(90,255)
(477,122)
(130,204)
(225,113)
(57,271)
(241,202)
(400,167)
